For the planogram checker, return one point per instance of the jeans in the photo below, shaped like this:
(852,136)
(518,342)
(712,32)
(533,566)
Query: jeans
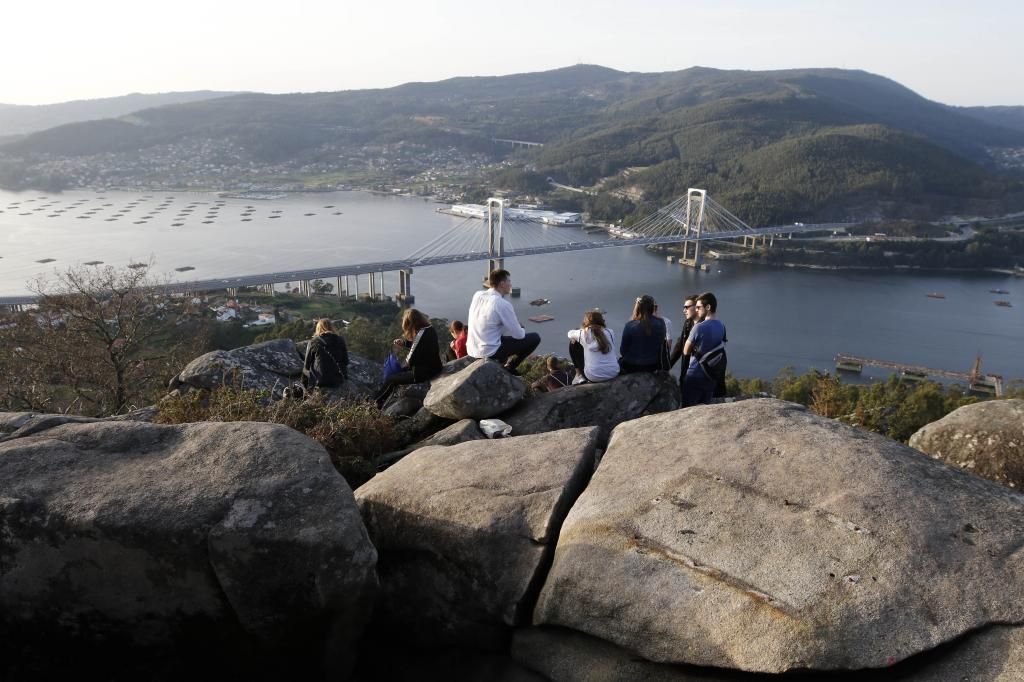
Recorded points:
(697,390)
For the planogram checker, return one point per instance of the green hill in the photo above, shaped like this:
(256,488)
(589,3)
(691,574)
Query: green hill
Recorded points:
(779,143)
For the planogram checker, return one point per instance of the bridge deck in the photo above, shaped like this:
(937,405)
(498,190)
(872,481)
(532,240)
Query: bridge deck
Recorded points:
(404,264)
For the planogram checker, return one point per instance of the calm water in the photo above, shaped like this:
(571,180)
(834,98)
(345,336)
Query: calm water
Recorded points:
(775,317)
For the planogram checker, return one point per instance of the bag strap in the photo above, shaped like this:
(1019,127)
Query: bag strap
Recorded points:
(337,364)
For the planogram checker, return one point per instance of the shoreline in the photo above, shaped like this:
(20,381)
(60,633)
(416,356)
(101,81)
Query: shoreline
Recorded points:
(897,268)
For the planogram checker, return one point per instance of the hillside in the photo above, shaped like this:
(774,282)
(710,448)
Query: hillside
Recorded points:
(18,119)
(1007,117)
(846,140)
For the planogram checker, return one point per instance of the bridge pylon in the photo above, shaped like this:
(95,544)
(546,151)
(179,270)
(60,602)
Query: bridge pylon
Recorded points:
(695,217)
(495,234)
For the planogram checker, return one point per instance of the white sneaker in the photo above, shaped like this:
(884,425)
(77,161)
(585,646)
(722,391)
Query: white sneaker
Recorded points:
(579,379)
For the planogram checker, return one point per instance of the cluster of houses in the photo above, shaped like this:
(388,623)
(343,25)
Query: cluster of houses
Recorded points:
(222,164)
(232,310)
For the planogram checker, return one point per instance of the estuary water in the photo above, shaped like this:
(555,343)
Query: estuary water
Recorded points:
(776,317)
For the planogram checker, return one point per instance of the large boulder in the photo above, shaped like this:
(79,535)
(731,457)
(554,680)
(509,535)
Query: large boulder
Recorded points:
(271,366)
(564,655)
(459,432)
(125,531)
(986,439)
(757,535)
(994,654)
(465,533)
(20,424)
(604,404)
(481,390)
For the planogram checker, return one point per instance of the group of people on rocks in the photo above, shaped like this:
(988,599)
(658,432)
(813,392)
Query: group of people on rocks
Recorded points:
(493,331)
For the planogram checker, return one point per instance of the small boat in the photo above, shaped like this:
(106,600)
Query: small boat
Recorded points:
(998,291)
(207,222)
(246,220)
(935,295)
(93,262)
(309,214)
(336,213)
(137,266)
(541,318)
(185,268)
(540,301)
(329,206)
(1004,304)
(46,260)
(273,216)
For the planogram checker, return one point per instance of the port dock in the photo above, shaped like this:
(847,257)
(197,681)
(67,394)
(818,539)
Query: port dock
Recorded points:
(976,380)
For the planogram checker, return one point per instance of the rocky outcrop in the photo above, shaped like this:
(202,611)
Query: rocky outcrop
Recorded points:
(759,536)
(464,532)
(994,654)
(986,438)
(20,424)
(125,531)
(604,404)
(271,366)
(459,432)
(483,389)
(407,400)
(564,655)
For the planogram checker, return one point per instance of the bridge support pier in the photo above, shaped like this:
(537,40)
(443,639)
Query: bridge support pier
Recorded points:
(405,296)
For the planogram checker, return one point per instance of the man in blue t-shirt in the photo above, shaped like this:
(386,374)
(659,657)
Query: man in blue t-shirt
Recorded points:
(707,335)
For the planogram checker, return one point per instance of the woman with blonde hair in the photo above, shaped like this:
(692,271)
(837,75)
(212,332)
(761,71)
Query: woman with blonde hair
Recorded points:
(643,339)
(423,361)
(590,348)
(326,363)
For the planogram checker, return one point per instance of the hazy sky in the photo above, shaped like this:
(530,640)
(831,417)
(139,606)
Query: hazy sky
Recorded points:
(953,52)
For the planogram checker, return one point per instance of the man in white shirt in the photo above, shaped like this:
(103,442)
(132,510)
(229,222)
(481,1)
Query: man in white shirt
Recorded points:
(494,329)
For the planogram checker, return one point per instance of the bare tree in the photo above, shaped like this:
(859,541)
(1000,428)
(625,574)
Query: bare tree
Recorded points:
(103,340)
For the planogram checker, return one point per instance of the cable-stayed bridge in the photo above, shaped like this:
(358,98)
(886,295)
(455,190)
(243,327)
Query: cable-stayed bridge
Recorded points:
(691,220)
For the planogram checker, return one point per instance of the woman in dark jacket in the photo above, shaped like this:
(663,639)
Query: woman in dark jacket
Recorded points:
(642,348)
(326,362)
(423,362)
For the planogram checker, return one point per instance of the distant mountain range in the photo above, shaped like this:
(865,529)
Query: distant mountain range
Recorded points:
(17,119)
(773,144)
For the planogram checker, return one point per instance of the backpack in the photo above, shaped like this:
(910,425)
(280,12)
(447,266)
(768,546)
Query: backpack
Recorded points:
(714,362)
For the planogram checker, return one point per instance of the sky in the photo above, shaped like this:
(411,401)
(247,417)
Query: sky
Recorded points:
(962,53)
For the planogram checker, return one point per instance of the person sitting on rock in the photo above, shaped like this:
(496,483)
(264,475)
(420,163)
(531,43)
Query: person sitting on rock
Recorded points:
(555,379)
(642,348)
(326,363)
(494,329)
(590,348)
(458,343)
(423,362)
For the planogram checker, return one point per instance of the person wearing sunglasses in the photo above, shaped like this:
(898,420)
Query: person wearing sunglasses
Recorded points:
(689,319)
(706,348)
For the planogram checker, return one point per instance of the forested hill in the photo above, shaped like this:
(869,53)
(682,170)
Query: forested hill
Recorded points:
(16,119)
(780,143)
(1007,117)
